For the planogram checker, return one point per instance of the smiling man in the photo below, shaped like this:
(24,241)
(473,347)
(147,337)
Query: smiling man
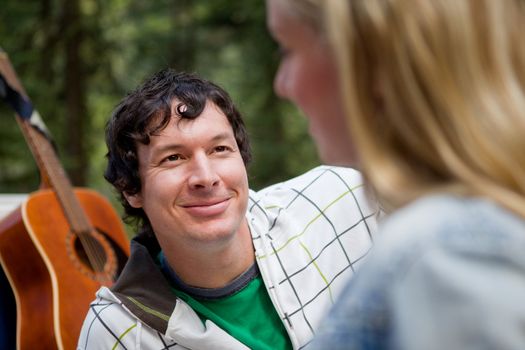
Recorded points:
(215,265)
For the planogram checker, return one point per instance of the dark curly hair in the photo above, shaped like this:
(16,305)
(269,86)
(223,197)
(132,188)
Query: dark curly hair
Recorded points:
(147,110)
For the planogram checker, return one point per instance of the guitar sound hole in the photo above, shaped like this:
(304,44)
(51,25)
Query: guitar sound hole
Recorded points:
(90,252)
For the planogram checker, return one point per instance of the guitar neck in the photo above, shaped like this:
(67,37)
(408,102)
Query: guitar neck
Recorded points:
(46,158)
(51,168)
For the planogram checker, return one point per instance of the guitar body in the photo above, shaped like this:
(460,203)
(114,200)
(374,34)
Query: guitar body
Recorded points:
(56,287)
(30,283)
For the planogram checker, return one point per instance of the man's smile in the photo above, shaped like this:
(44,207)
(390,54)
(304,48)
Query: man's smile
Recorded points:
(208,207)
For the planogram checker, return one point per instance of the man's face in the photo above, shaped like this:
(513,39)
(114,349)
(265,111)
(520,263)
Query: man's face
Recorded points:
(194,182)
(308,77)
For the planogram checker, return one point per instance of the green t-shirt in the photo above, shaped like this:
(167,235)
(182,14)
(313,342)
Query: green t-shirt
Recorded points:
(247,314)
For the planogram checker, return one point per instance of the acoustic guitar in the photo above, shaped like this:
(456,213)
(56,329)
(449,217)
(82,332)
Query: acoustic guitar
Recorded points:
(60,246)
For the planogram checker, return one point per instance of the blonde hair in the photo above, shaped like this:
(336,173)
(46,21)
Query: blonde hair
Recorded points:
(435,94)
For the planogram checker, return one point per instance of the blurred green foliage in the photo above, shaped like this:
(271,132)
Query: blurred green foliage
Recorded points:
(78,58)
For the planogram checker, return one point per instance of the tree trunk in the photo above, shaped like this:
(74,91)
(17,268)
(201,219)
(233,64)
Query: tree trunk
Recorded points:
(75,93)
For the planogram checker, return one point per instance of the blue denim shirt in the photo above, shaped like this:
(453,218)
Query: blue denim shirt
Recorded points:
(446,273)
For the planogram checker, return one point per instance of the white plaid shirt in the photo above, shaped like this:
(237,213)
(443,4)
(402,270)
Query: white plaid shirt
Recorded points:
(309,235)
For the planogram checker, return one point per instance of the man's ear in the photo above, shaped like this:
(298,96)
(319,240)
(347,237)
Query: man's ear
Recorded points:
(135,200)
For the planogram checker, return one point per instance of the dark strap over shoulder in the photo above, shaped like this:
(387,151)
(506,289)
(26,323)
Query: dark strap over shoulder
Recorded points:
(21,105)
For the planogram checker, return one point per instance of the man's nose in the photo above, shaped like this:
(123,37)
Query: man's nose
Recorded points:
(203,174)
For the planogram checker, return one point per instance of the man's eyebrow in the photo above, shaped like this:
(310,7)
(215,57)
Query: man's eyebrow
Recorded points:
(176,146)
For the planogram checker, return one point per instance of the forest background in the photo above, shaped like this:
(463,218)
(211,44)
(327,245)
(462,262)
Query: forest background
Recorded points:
(78,58)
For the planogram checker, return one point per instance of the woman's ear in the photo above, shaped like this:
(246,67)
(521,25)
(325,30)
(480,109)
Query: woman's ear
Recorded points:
(135,200)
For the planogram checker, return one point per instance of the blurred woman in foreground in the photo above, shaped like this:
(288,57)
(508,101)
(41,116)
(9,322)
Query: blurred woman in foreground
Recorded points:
(434,95)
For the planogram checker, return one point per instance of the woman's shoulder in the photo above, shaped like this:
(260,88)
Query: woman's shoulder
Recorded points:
(445,233)
(452,223)
(442,213)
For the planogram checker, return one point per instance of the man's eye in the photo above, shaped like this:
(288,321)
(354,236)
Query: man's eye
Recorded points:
(173,158)
(221,148)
